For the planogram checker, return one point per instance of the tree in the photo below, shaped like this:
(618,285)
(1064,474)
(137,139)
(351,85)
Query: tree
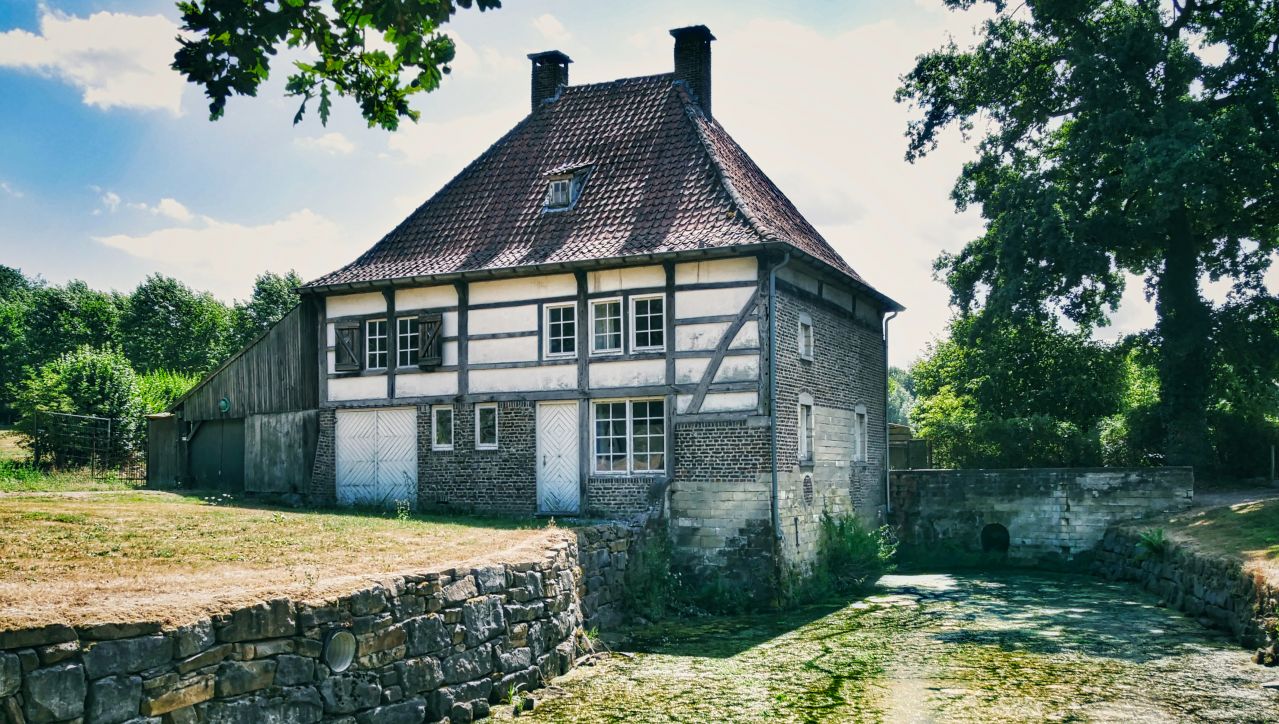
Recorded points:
(901,395)
(229,45)
(16,292)
(64,318)
(166,326)
(1111,143)
(86,381)
(273,296)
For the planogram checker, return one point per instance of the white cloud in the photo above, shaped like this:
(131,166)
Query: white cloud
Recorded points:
(10,189)
(214,254)
(110,200)
(551,28)
(172,209)
(333,143)
(113,58)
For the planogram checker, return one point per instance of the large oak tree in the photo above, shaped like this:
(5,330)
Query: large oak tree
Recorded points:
(1115,136)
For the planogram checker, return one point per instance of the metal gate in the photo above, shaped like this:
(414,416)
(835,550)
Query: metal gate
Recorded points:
(377,457)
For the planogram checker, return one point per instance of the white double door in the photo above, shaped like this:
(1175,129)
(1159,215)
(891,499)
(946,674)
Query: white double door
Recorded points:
(376,457)
(558,463)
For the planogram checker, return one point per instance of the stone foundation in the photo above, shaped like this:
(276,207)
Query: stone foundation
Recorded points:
(438,646)
(1215,589)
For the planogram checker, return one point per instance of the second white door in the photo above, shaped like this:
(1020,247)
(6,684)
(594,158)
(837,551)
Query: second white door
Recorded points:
(557,458)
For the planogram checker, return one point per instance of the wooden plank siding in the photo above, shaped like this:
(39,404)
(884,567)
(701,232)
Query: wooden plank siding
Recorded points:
(277,372)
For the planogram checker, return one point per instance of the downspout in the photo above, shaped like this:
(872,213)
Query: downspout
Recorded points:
(772,387)
(888,499)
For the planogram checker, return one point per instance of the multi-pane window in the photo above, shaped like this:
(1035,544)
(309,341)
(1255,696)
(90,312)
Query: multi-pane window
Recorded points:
(561,330)
(557,194)
(442,427)
(486,427)
(649,323)
(375,344)
(407,341)
(630,436)
(861,434)
(805,337)
(805,432)
(606,326)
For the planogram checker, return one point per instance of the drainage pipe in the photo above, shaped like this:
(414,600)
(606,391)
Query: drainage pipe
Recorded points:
(772,386)
(888,499)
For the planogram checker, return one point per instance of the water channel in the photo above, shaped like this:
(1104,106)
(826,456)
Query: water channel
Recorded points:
(946,648)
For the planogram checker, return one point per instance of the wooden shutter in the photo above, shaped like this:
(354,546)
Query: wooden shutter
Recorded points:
(430,340)
(346,354)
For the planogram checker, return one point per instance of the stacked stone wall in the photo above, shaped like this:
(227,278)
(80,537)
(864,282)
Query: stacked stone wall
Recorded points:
(1050,514)
(1217,590)
(438,646)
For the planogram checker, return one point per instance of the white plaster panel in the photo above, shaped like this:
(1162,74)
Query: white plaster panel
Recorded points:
(682,402)
(636,277)
(738,368)
(740,269)
(794,276)
(514,290)
(503,319)
(448,353)
(372,387)
(524,379)
(747,336)
(421,384)
(699,336)
(330,336)
(730,401)
(628,373)
(331,356)
(425,297)
(690,369)
(838,296)
(513,349)
(708,302)
(349,305)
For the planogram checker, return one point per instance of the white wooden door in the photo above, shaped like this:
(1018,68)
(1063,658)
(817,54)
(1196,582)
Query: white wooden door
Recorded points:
(557,461)
(376,457)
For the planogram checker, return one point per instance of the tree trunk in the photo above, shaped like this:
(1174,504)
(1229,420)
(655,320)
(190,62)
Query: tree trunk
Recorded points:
(1185,364)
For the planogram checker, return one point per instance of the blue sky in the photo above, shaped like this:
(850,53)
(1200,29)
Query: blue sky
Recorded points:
(110,169)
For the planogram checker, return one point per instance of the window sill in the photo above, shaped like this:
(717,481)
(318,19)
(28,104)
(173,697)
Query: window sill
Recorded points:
(486,448)
(442,449)
(607,353)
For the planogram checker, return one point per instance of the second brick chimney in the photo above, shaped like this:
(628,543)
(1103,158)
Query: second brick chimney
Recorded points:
(550,73)
(693,62)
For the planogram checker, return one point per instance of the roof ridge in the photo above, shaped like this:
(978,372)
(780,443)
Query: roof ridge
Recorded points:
(615,81)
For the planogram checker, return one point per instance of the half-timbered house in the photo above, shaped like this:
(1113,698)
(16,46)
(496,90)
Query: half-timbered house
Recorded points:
(611,311)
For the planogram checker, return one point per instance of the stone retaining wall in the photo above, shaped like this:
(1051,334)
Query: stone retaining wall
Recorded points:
(1215,589)
(442,645)
(1048,515)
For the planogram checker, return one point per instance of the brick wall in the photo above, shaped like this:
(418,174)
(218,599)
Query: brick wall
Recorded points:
(847,370)
(621,497)
(464,478)
(323,473)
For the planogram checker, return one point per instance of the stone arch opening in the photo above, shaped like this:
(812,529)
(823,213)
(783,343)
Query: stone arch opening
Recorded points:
(994,539)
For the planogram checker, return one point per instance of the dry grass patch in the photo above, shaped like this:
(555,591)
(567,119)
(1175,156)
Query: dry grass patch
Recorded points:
(9,447)
(139,556)
(1247,529)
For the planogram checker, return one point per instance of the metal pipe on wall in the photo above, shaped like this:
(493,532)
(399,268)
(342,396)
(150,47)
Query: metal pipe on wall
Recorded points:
(888,499)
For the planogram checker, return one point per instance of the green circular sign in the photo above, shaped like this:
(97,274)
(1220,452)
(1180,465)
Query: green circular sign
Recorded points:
(224,404)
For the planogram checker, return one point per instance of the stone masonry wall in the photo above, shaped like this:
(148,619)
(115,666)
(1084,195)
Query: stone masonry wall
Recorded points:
(1050,514)
(1217,590)
(439,646)
(492,481)
(847,370)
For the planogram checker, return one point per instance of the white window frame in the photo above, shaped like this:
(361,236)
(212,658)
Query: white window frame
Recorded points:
(629,405)
(806,427)
(497,427)
(621,332)
(435,426)
(407,344)
(635,345)
(551,193)
(806,342)
(546,331)
(369,337)
(861,434)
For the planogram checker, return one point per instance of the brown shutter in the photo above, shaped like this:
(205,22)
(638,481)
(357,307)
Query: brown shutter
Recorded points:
(346,354)
(430,340)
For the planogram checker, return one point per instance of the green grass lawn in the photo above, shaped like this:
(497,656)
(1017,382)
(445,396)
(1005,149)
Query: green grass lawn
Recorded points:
(19,477)
(78,557)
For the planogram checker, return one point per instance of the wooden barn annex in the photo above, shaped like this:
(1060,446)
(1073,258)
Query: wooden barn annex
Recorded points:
(250,425)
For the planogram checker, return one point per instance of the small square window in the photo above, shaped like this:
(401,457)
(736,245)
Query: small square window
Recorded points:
(442,427)
(561,330)
(805,433)
(606,326)
(648,323)
(486,427)
(407,341)
(557,194)
(805,337)
(375,344)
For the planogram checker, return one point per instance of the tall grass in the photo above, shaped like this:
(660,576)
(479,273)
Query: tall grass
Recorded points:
(162,388)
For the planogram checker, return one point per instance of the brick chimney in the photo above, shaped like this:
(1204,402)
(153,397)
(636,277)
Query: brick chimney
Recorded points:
(693,62)
(550,73)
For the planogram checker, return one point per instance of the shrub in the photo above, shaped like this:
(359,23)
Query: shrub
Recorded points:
(86,381)
(160,389)
(850,557)
(651,583)
(1022,442)
(1152,543)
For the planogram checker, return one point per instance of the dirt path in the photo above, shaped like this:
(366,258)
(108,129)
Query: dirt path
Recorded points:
(931,648)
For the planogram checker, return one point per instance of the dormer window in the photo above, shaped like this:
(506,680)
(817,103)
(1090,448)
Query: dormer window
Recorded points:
(564,186)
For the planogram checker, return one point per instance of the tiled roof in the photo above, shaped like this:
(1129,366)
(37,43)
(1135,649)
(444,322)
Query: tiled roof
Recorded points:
(664,178)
